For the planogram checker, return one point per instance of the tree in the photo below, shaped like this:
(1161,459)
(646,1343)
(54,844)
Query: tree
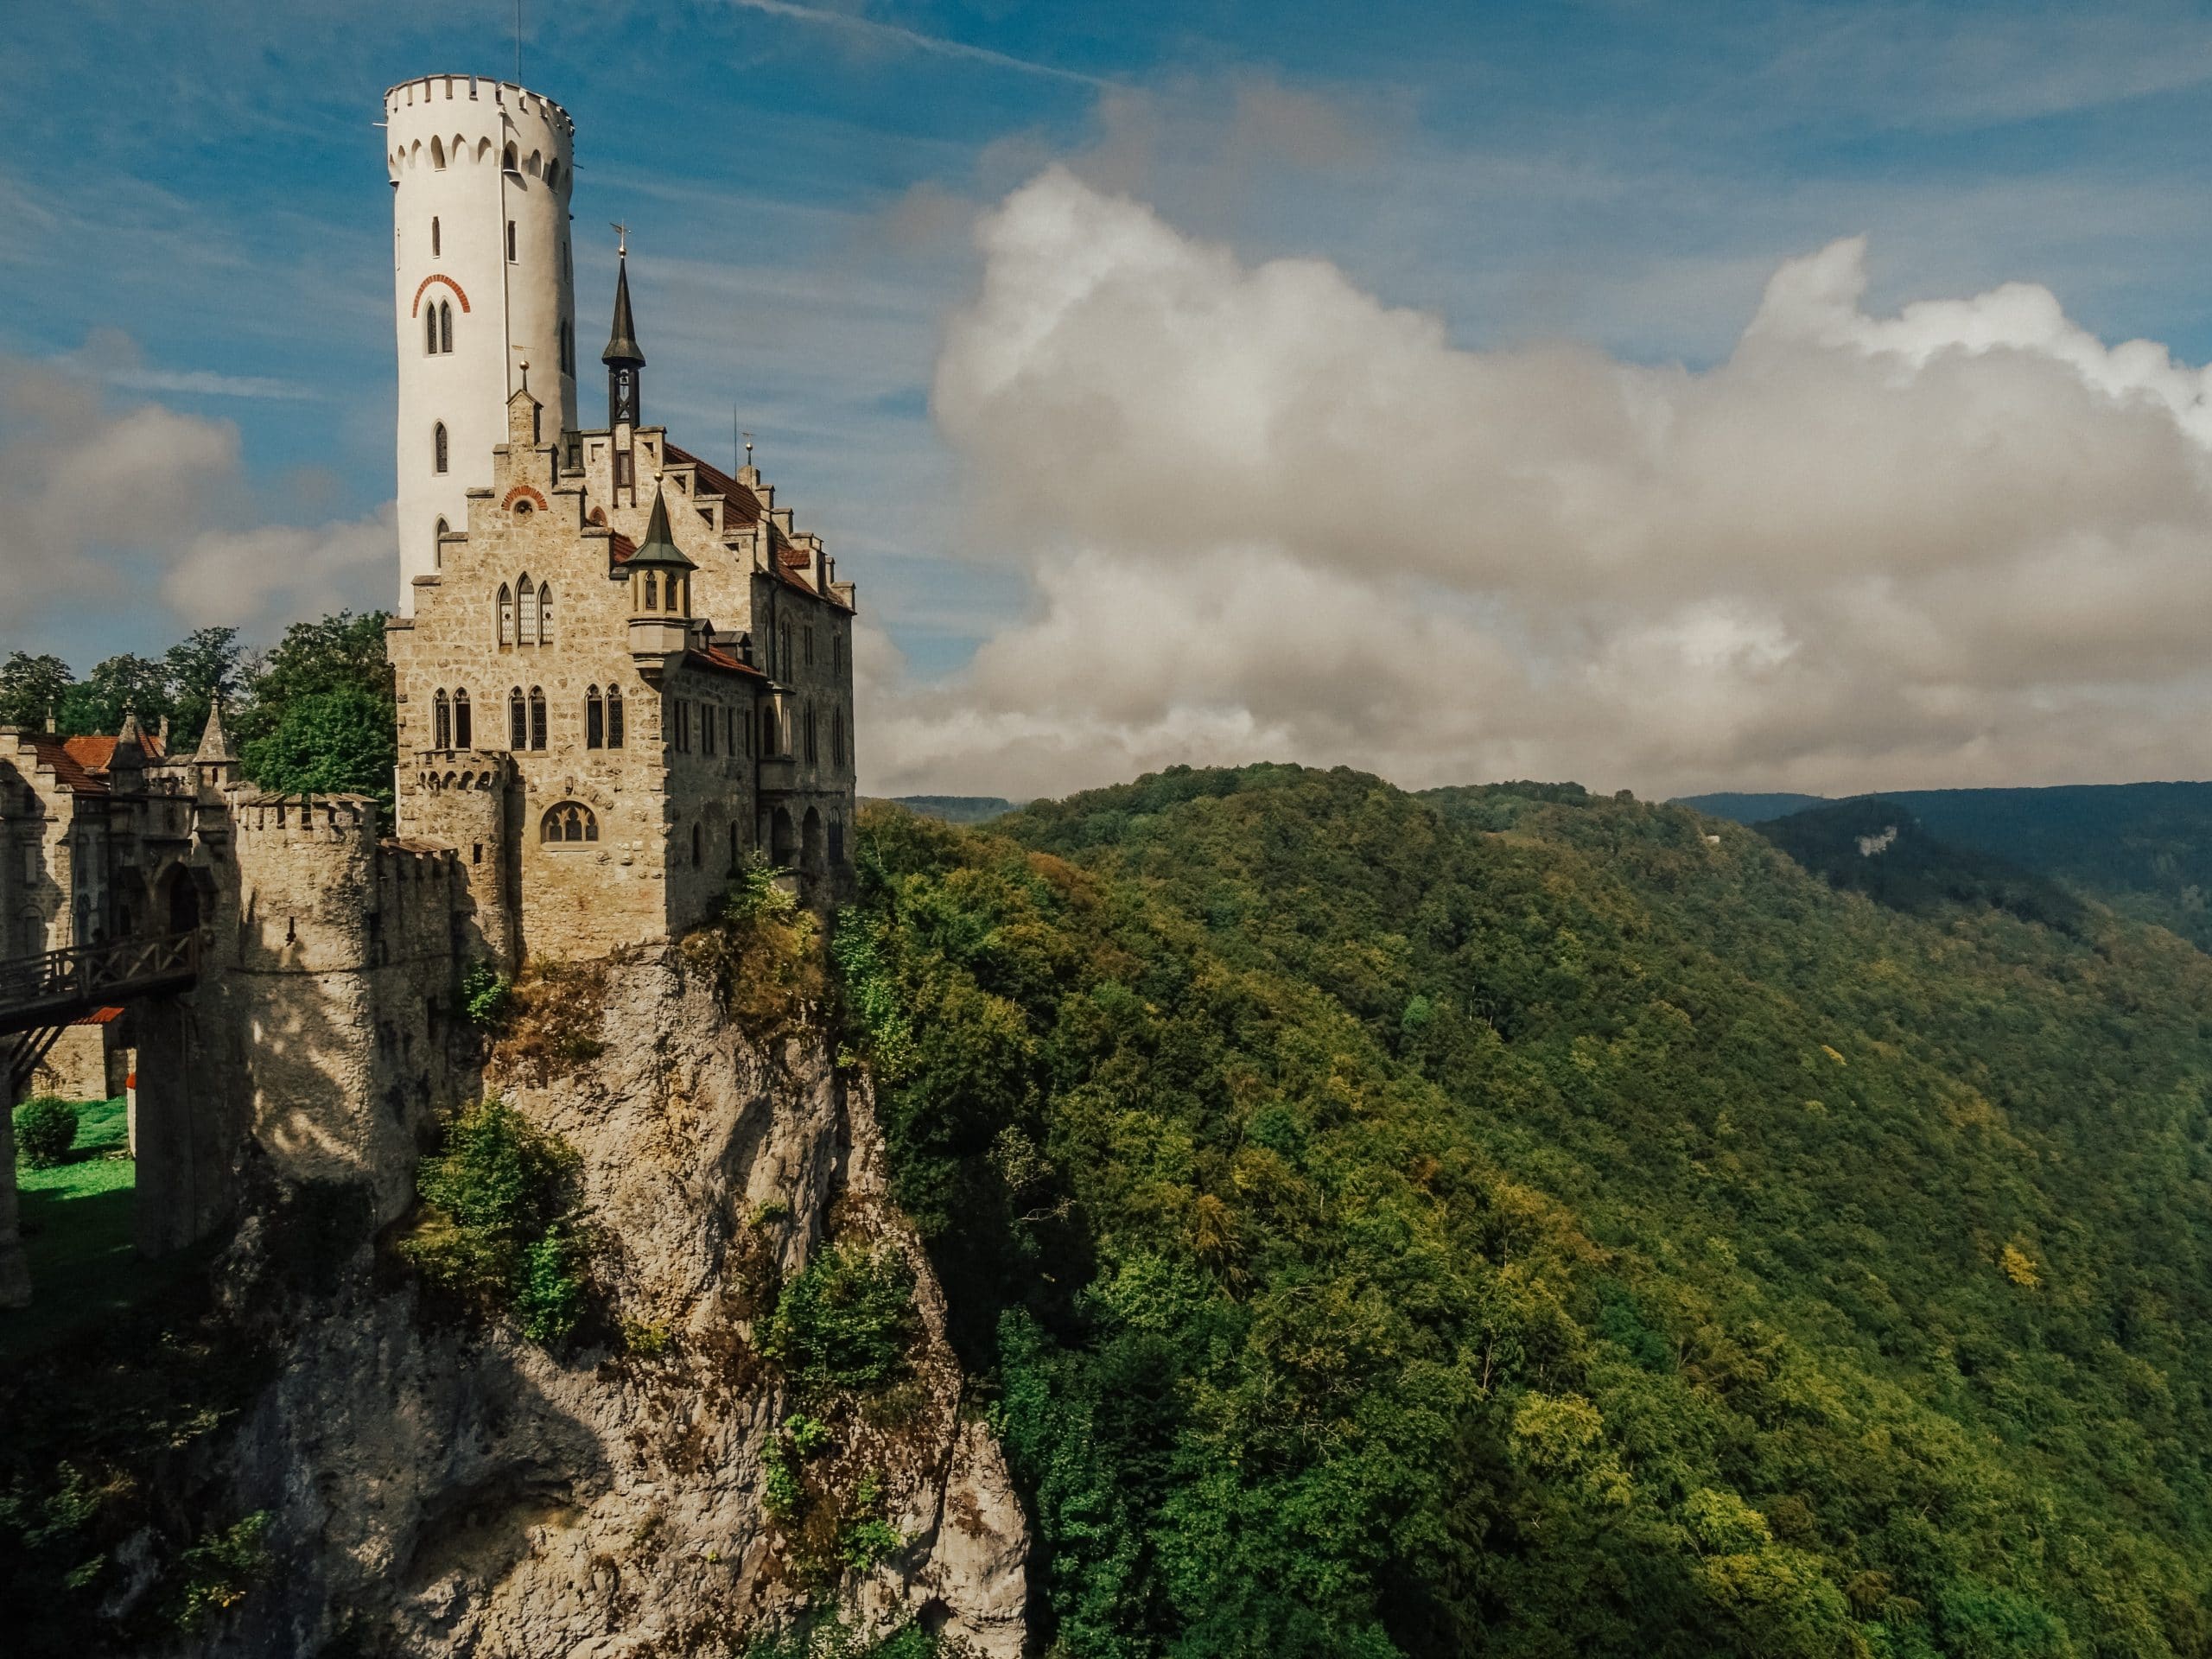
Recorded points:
(200,668)
(31,688)
(319,713)
(124,684)
(342,739)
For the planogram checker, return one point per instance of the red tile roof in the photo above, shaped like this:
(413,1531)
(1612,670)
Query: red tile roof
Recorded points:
(93,753)
(624,547)
(54,752)
(715,657)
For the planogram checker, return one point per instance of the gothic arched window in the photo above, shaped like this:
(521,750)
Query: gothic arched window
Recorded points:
(438,448)
(438,545)
(594,720)
(546,614)
(508,161)
(652,590)
(430,329)
(507,615)
(526,604)
(464,736)
(440,722)
(536,718)
(569,823)
(517,720)
(614,717)
(445,325)
(437,155)
(838,737)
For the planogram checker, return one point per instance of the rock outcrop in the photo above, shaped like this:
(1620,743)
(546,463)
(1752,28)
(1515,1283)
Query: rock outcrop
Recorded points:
(446,1488)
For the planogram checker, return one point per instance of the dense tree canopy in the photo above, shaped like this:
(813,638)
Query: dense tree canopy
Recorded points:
(314,713)
(1512,1222)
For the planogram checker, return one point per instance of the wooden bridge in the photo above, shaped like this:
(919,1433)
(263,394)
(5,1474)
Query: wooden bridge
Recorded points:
(41,995)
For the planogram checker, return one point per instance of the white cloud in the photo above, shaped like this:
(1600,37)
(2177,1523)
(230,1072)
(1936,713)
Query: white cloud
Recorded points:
(1266,516)
(110,504)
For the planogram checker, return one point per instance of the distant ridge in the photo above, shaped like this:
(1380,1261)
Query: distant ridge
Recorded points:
(2144,848)
(955,809)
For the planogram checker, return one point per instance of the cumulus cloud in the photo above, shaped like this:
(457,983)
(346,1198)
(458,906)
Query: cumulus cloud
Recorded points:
(110,503)
(1265,515)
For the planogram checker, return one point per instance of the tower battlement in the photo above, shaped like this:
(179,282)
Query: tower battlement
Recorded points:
(423,96)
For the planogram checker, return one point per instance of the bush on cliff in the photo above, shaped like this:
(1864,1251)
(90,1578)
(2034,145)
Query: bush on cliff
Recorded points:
(499,1226)
(45,1130)
(846,1321)
(764,951)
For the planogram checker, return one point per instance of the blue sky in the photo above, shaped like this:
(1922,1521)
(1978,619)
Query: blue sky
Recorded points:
(198,213)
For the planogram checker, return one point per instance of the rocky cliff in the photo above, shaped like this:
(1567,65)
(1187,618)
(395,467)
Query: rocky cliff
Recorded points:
(441,1486)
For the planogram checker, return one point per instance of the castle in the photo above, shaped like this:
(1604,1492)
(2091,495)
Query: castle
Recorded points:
(621,671)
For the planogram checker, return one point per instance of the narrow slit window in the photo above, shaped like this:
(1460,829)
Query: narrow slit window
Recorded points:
(536,718)
(434,236)
(594,720)
(440,722)
(507,615)
(438,448)
(464,735)
(614,718)
(517,720)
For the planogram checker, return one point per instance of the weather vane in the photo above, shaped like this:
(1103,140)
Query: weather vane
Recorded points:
(621,238)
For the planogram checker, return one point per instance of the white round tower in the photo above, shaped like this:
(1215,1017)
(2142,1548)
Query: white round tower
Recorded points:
(482,283)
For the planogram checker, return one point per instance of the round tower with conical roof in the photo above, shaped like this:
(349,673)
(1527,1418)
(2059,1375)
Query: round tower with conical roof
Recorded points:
(482,284)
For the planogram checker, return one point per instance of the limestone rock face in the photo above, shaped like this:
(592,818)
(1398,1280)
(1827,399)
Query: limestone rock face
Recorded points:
(456,1489)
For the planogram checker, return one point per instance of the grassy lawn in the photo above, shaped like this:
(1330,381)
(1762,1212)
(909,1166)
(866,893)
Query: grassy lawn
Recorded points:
(76,1226)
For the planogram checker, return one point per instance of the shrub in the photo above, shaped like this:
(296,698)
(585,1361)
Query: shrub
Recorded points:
(484,994)
(550,1017)
(499,1223)
(764,951)
(46,1127)
(845,1322)
(219,1569)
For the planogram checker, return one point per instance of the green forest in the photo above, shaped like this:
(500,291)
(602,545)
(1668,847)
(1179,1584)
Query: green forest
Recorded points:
(1509,1221)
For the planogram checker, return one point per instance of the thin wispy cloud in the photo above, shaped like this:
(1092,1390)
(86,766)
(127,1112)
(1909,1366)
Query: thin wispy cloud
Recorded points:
(207,383)
(937,44)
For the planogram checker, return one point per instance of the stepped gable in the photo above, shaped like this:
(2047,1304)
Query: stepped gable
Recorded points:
(741,511)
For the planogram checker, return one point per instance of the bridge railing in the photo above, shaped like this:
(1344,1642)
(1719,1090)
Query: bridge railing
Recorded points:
(87,974)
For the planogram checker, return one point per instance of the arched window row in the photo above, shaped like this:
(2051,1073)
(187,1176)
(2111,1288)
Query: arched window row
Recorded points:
(526,719)
(569,823)
(451,725)
(603,718)
(525,613)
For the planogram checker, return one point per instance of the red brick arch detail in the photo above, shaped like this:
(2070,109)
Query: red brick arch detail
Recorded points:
(522,491)
(435,277)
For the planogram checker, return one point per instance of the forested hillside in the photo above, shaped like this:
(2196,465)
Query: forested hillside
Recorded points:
(2144,848)
(1507,1222)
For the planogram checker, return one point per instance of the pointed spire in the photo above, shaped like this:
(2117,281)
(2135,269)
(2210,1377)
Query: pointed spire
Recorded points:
(214,742)
(659,547)
(130,745)
(622,346)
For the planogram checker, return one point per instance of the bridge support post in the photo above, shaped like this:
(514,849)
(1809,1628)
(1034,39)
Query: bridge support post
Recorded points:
(15,1271)
(179,1185)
